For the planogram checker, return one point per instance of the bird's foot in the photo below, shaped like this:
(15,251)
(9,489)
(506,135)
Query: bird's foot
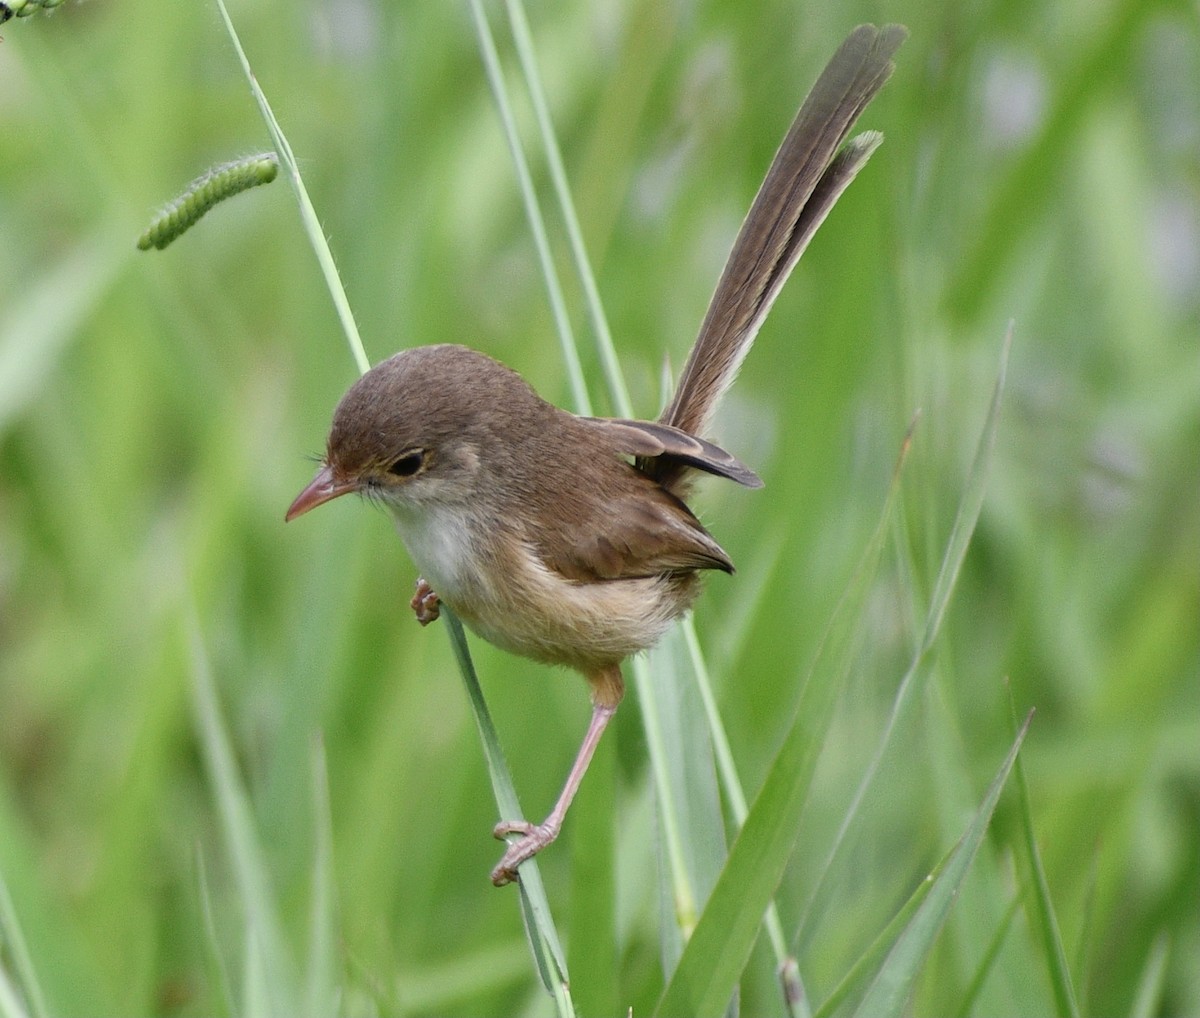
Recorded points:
(425,603)
(534,837)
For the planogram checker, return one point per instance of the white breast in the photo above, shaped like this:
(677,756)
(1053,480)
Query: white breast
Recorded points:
(443,545)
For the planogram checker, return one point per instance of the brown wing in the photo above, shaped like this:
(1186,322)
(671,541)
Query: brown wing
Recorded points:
(644,532)
(638,529)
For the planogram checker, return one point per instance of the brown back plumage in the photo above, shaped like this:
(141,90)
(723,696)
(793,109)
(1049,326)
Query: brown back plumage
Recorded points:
(806,178)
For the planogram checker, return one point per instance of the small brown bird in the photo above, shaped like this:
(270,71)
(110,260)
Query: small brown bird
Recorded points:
(567,539)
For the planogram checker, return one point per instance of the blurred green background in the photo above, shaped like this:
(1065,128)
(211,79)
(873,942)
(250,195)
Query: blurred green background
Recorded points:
(157,412)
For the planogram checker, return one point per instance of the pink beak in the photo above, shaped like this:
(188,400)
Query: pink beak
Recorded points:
(322,489)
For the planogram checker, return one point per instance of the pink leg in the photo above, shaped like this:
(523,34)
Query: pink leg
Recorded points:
(535,837)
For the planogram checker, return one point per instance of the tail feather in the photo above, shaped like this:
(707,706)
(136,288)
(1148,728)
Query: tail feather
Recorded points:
(809,173)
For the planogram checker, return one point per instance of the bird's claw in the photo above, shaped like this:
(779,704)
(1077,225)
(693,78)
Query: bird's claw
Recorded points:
(425,603)
(534,837)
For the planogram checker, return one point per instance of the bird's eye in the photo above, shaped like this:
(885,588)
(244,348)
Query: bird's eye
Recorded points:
(408,464)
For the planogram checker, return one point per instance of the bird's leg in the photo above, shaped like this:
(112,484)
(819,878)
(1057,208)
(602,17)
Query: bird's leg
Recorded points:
(535,837)
(425,603)
(607,689)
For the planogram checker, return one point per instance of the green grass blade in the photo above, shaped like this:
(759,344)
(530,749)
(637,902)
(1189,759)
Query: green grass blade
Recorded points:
(889,992)
(1087,912)
(956,549)
(256,993)
(535,907)
(691,825)
(869,961)
(687,791)
(967,1007)
(970,507)
(680,889)
(1148,1001)
(716,955)
(613,375)
(721,943)
(269,979)
(215,966)
(1044,920)
(11,1005)
(558,305)
(735,796)
(12,944)
(792,986)
(308,215)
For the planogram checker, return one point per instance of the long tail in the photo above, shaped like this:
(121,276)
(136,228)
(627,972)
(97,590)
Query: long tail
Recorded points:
(807,176)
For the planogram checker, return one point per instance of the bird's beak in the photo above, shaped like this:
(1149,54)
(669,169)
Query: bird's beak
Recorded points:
(322,488)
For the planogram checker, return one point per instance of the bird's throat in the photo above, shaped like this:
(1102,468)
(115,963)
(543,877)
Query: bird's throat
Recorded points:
(449,549)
